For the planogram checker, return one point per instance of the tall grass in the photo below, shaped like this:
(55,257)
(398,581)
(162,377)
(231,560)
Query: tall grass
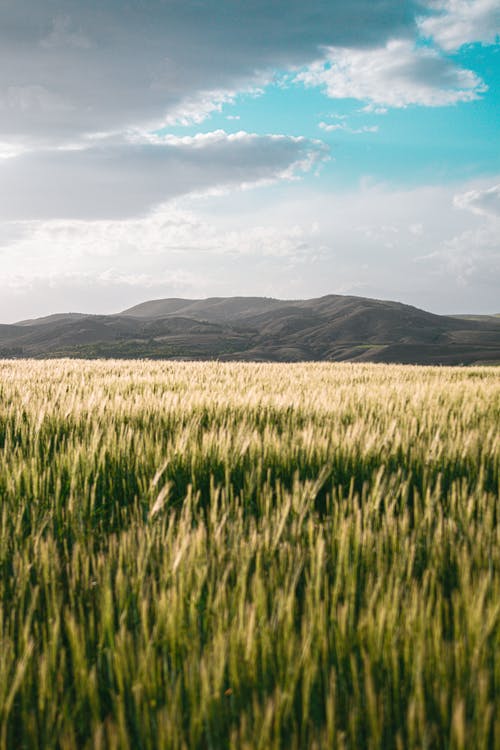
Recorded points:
(249,556)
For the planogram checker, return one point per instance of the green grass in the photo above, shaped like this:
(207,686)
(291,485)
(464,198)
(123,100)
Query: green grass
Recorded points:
(249,556)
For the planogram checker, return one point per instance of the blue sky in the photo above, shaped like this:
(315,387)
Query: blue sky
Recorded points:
(211,147)
(410,146)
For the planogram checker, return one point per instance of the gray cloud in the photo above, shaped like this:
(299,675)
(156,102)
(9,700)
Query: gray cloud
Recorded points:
(70,67)
(114,180)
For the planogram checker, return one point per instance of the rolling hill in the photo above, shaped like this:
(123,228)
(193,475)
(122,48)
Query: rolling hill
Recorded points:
(333,327)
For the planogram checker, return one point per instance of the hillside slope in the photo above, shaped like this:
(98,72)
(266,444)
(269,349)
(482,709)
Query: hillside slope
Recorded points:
(333,328)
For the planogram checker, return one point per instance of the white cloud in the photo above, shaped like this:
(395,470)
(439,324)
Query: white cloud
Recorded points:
(170,231)
(459,22)
(396,75)
(8,150)
(332,127)
(373,109)
(196,109)
(469,260)
(482,202)
(102,266)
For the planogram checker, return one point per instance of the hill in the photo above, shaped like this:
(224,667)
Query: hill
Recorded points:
(334,328)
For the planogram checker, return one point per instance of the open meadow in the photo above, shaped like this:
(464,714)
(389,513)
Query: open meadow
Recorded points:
(209,556)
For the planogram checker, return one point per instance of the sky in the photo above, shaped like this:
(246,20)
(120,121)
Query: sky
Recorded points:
(284,148)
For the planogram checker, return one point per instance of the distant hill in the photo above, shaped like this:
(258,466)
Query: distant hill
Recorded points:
(218,309)
(495,316)
(334,328)
(51,319)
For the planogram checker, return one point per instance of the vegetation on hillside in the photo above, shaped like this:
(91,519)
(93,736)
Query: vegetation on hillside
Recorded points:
(334,328)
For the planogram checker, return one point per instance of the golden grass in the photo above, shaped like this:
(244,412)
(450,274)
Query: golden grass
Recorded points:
(207,555)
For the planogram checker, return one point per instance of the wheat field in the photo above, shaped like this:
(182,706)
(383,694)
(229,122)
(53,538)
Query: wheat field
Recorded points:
(208,555)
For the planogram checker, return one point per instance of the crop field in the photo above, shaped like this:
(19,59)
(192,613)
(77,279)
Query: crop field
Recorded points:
(211,556)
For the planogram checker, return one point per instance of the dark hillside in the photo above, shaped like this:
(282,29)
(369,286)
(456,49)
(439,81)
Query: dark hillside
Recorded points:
(333,327)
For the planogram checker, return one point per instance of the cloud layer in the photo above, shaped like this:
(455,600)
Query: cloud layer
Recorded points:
(119,179)
(69,67)
(412,245)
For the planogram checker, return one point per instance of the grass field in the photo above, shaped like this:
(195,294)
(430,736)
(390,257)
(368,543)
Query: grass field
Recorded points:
(249,556)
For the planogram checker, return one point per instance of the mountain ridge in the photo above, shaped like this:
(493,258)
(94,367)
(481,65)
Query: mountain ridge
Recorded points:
(332,328)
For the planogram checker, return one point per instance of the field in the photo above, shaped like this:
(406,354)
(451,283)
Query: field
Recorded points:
(249,556)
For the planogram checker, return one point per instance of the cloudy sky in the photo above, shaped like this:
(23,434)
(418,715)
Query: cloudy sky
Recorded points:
(193,148)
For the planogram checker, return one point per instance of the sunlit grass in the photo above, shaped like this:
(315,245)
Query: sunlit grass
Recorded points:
(249,556)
